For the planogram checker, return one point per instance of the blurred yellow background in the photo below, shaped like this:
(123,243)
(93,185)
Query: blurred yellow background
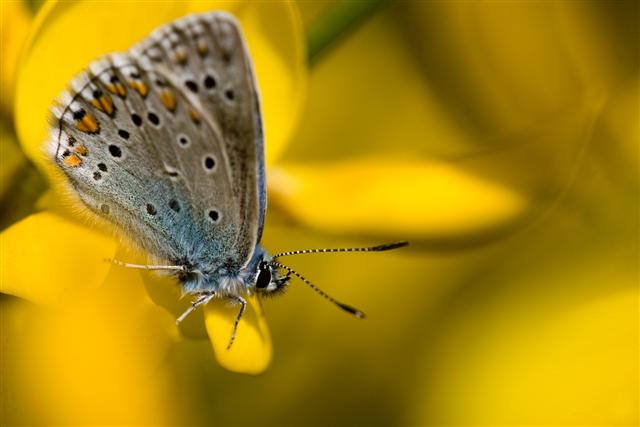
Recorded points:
(500,138)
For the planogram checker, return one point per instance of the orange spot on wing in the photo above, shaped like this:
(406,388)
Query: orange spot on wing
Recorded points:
(82,150)
(88,124)
(72,160)
(181,57)
(168,100)
(139,86)
(107,104)
(203,48)
(104,103)
(195,117)
(117,89)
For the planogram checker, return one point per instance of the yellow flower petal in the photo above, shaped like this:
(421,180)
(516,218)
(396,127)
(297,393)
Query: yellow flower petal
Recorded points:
(423,200)
(13,161)
(167,292)
(45,255)
(251,349)
(68,35)
(369,94)
(505,65)
(16,20)
(98,358)
(554,343)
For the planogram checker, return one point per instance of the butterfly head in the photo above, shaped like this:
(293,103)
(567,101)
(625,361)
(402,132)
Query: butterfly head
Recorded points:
(269,280)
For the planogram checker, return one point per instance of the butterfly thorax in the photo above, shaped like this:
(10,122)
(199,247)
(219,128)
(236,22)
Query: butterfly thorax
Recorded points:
(226,276)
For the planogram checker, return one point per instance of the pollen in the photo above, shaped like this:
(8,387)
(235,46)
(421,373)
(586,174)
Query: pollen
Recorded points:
(168,100)
(87,123)
(82,150)
(72,160)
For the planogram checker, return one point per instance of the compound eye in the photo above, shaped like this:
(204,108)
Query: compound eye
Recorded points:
(264,278)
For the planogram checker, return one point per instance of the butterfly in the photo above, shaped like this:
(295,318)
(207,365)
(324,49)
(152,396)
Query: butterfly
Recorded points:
(165,141)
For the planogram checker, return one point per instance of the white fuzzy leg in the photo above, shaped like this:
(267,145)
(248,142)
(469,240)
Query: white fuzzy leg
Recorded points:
(148,267)
(243,306)
(202,299)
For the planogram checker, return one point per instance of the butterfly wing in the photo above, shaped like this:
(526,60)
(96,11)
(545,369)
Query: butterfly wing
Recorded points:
(206,56)
(179,170)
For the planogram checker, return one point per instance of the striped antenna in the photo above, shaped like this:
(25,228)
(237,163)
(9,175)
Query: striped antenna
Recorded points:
(379,248)
(345,307)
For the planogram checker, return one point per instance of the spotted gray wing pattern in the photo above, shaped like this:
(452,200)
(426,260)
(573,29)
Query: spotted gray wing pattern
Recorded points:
(205,55)
(175,168)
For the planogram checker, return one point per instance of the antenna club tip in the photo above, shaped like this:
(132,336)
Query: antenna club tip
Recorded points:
(390,246)
(359,314)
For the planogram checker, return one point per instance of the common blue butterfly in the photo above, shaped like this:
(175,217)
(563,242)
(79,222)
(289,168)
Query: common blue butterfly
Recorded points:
(165,141)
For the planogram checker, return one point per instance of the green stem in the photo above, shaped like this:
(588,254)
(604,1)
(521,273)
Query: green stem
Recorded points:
(336,24)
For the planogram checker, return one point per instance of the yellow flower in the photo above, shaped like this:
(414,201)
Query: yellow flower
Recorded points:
(53,255)
(535,322)
(278,56)
(500,138)
(15,21)
(15,25)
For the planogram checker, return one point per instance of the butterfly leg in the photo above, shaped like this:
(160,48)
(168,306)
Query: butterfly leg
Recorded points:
(243,306)
(204,298)
(148,267)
